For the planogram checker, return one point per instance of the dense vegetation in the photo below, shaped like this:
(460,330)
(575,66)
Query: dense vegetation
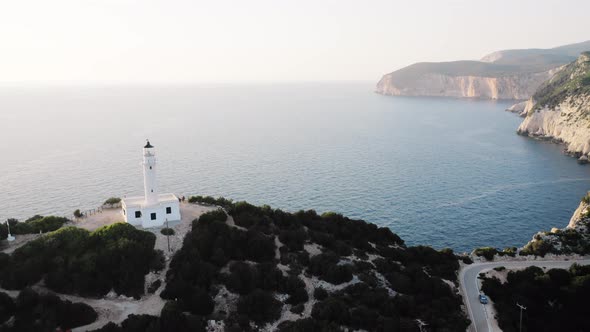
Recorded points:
(171,319)
(489,252)
(38,313)
(556,300)
(73,260)
(265,264)
(574,79)
(34,225)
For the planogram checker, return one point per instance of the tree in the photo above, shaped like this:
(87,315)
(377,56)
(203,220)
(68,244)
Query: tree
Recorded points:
(260,306)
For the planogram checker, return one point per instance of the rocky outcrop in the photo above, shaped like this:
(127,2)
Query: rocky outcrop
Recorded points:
(560,109)
(519,108)
(519,86)
(579,215)
(574,239)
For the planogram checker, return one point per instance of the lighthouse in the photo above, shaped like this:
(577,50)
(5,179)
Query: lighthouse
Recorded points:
(149,174)
(152,209)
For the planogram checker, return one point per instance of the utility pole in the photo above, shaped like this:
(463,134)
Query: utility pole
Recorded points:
(168,234)
(521,309)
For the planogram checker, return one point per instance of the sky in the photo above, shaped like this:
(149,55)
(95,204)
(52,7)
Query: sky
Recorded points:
(184,41)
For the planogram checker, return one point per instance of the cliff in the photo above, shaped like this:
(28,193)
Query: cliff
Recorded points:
(574,239)
(560,108)
(509,74)
(434,84)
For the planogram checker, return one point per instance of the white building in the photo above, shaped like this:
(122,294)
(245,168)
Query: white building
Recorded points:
(152,209)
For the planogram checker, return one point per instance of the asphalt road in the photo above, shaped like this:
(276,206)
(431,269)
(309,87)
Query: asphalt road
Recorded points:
(470,287)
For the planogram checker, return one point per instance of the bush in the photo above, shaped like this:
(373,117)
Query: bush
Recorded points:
(38,224)
(310,324)
(499,268)
(112,201)
(487,252)
(555,300)
(260,306)
(466,259)
(200,302)
(167,231)
(415,273)
(77,213)
(320,294)
(3,231)
(171,319)
(6,307)
(153,287)
(298,309)
(34,312)
(22,228)
(73,260)
(220,201)
(216,215)
(331,309)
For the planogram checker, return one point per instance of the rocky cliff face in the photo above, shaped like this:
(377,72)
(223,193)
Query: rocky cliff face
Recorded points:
(579,216)
(519,86)
(572,240)
(560,109)
(507,74)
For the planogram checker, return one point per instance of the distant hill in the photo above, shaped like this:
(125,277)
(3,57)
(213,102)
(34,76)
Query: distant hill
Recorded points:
(557,55)
(508,74)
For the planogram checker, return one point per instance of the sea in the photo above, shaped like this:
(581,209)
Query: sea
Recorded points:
(437,171)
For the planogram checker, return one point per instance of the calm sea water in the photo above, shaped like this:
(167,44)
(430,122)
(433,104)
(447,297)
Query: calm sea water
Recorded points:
(441,172)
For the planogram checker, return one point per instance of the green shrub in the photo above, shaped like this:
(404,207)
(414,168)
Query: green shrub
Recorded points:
(466,259)
(77,213)
(38,224)
(499,268)
(487,252)
(153,287)
(216,215)
(3,231)
(22,228)
(34,312)
(320,294)
(73,260)
(6,307)
(167,231)
(551,299)
(112,201)
(220,201)
(414,273)
(260,306)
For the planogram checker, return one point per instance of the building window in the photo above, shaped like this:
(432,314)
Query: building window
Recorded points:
(152,190)
(137,214)
(123,211)
(150,167)
(168,210)
(153,216)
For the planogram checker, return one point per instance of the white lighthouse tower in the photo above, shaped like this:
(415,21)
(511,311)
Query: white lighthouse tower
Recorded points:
(149,174)
(152,209)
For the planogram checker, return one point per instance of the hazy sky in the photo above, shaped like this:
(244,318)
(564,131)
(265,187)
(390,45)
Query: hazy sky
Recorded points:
(266,40)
